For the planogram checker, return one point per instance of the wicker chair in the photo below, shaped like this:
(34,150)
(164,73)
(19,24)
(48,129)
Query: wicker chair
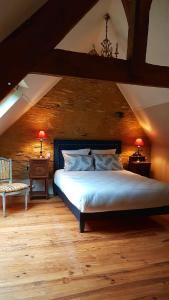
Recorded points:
(7,187)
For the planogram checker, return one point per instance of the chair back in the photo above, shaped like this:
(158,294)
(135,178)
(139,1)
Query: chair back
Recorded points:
(5,169)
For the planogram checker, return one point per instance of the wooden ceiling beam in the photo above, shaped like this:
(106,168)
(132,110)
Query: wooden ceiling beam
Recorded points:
(127,8)
(36,37)
(62,62)
(67,63)
(158,75)
(138,35)
(130,10)
(137,14)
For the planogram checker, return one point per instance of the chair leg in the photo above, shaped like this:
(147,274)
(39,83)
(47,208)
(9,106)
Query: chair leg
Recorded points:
(26,199)
(4,205)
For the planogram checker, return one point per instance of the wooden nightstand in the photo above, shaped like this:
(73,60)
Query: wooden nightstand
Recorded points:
(39,170)
(141,168)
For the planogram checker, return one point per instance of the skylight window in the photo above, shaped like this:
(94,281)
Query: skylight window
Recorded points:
(9,101)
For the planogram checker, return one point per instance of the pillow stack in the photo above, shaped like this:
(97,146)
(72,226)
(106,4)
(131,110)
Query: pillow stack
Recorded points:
(99,160)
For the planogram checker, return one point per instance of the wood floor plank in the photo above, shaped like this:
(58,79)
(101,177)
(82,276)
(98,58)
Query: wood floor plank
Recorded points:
(43,256)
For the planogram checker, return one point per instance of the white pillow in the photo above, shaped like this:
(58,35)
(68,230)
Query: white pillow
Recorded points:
(78,162)
(78,151)
(103,151)
(107,162)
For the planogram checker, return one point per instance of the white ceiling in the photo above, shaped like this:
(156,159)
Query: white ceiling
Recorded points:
(91,29)
(158,38)
(14,12)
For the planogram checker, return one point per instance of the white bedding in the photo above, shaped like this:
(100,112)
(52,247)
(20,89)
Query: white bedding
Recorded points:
(95,191)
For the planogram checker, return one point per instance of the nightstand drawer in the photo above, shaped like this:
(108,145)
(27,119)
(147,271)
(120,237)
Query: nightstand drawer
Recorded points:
(141,168)
(39,168)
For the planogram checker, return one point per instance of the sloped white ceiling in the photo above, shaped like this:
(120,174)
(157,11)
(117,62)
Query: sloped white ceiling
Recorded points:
(158,37)
(91,29)
(143,96)
(87,31)
(14,12)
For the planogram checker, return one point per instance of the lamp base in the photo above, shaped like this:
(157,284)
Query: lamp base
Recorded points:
(136,158)
(137,154)
(41,156)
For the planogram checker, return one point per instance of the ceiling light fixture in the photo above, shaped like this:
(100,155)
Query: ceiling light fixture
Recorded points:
(107,49)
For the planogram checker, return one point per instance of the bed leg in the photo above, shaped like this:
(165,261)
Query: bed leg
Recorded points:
(82,224)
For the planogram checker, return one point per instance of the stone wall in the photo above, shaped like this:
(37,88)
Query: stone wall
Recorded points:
(74,109)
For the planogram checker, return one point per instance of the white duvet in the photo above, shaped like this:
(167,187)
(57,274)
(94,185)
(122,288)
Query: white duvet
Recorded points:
(95,191)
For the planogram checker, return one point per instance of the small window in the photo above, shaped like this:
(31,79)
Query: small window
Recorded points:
(9,101)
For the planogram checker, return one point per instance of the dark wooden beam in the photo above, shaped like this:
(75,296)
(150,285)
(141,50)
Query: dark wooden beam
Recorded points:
(62,62)
(127,5)
(36,37)
(137,14)
(130,10)
(66,63)
(138,35)
(158,75)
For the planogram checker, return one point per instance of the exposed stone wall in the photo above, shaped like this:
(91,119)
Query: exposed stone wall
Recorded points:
(76,109)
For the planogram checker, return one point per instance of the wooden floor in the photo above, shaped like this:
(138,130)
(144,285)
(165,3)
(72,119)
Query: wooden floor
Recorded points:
(43,256)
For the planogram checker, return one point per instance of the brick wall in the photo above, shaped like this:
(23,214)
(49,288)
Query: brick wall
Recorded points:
(77,109)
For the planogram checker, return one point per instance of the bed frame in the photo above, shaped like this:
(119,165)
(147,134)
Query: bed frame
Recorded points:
(60,145)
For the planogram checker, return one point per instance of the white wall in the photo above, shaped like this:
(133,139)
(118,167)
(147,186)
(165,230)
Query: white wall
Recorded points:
(158,116)
(160,162)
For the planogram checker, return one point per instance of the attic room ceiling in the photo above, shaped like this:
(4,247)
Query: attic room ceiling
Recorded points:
(52,22)
(135,70)
(90,29)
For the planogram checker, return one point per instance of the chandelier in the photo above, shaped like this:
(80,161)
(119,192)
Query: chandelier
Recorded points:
(107,49)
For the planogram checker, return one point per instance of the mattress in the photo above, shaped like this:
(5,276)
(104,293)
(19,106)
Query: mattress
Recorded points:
(98,191)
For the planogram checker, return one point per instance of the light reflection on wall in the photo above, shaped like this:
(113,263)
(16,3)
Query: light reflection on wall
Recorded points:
(160,163)
(145,123)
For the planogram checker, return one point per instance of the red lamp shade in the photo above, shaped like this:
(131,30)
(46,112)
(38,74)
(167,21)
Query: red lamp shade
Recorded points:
(139,142)
(41,135)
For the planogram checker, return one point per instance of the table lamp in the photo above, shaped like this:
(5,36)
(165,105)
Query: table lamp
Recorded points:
(139,143)
(41,136)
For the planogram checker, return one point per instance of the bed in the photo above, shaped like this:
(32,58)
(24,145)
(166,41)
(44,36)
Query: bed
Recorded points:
(103,194)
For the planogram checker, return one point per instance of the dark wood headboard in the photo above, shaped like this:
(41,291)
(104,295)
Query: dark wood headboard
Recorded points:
(60,145)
